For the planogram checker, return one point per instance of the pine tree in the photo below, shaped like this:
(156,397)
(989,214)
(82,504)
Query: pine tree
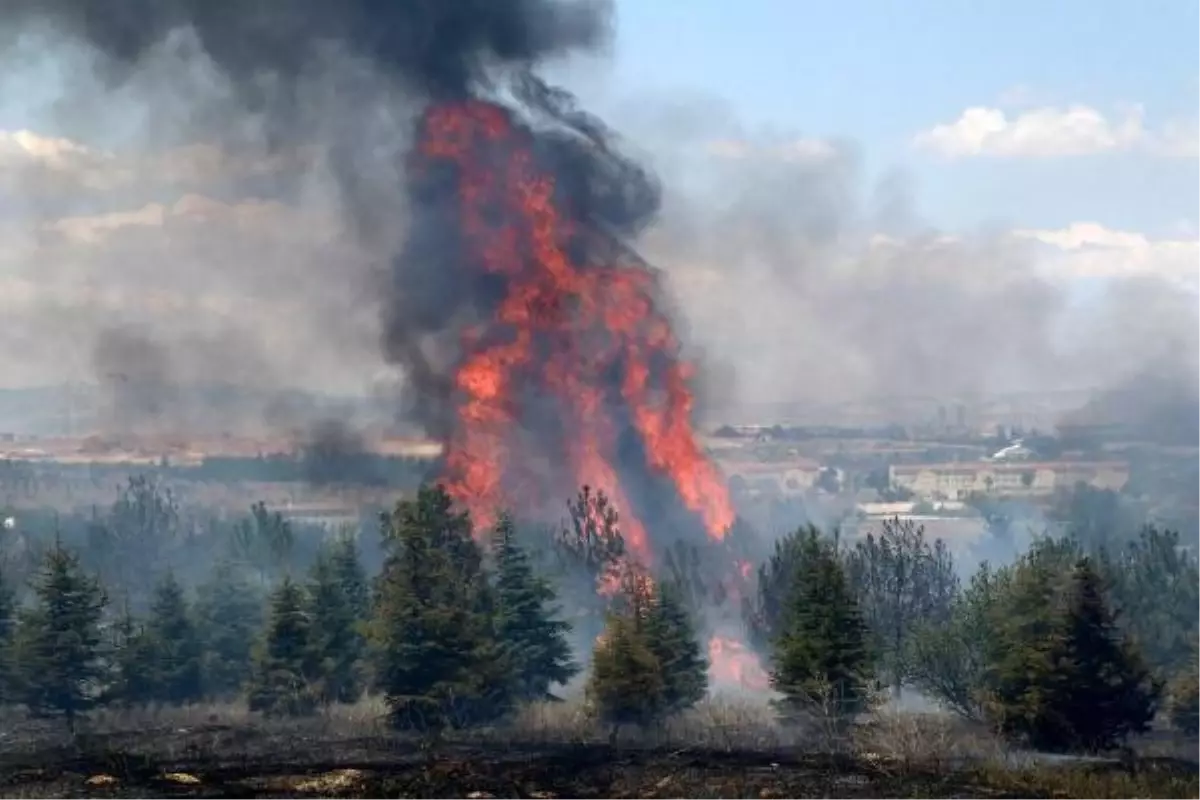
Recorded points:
(534,641)
(347,565)
(1025,624)
(673,642)
(58,640)
(8,623)
(438,660)
(765,613)
(822,662)
(1185,697)
(229,616)
(131,680)
(174,645)
(280,681)
(626,685)
(335,633)
(1078,684)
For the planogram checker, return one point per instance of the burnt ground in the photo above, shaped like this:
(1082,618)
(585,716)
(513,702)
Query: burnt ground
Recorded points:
(221,760)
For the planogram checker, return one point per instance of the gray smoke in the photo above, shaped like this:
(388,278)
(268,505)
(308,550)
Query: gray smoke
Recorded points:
(817,286)
(776,253)
(309,103)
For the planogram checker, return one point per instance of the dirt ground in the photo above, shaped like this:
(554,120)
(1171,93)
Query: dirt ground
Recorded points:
(221,760)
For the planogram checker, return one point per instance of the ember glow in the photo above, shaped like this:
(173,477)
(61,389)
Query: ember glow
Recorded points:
(731,662)
(574,355)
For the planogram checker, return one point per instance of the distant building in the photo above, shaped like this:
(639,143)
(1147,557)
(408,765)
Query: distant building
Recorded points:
(958,480)
(794,476)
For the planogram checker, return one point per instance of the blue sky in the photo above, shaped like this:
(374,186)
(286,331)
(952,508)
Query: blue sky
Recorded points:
(880,72)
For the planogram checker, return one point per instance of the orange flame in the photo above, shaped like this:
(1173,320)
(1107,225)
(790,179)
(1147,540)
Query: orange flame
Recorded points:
(731,662)
(563,328)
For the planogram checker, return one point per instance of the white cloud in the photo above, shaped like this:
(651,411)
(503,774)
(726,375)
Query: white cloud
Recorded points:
(1090,250)
(1045,132)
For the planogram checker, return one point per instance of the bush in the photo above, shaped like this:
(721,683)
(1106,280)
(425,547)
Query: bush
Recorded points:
(1185,702)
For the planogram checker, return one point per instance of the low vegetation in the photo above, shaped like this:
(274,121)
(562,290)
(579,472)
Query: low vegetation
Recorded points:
(432,674)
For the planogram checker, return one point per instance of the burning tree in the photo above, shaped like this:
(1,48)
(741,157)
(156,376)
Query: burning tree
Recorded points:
(566,372)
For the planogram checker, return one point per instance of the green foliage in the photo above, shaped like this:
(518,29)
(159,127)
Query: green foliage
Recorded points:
(128,544)
(58,640)
(765,614)
(1185,698)
(174,646)
(131,679)
(1156,586)
(534,640)
(229,617)
(948,659)
(8,624)
(351,576)
(1099,519)
(337,613)
(283,671)
(438,660)
(264,541)
(626,685)
(672,640)
(902,581)
(821,654)
(1067,679)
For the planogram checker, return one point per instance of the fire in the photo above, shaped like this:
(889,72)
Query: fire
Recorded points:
(731,662)
(580,343)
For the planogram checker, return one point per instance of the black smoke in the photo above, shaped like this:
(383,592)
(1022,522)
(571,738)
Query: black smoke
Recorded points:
(437,47)
(336,454)
(428,53)
(434,51)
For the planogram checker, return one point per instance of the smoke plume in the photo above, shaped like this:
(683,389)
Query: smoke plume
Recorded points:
(272,101)
(793,280)
(819,290)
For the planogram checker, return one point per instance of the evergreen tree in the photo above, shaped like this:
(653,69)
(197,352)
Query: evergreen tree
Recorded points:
(949,660)
(58,640)
(1026,625)
(672,640)
(131,680)
(438,660)
(822,660)
(348,567)
(1155,585)
(1185,697)
(335,633)
(626,685)
(280,681)
(8,623)
(1088,688)
(534,641)
(174,646)
(765,614)
(229,616)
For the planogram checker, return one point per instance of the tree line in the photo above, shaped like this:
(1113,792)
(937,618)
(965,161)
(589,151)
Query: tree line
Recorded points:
(1068,647)
(451,633)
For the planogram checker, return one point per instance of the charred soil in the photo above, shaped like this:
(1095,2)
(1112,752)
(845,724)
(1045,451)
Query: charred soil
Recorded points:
(268,761)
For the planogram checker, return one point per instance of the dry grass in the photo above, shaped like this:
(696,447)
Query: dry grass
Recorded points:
(726,746)
(911,739)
